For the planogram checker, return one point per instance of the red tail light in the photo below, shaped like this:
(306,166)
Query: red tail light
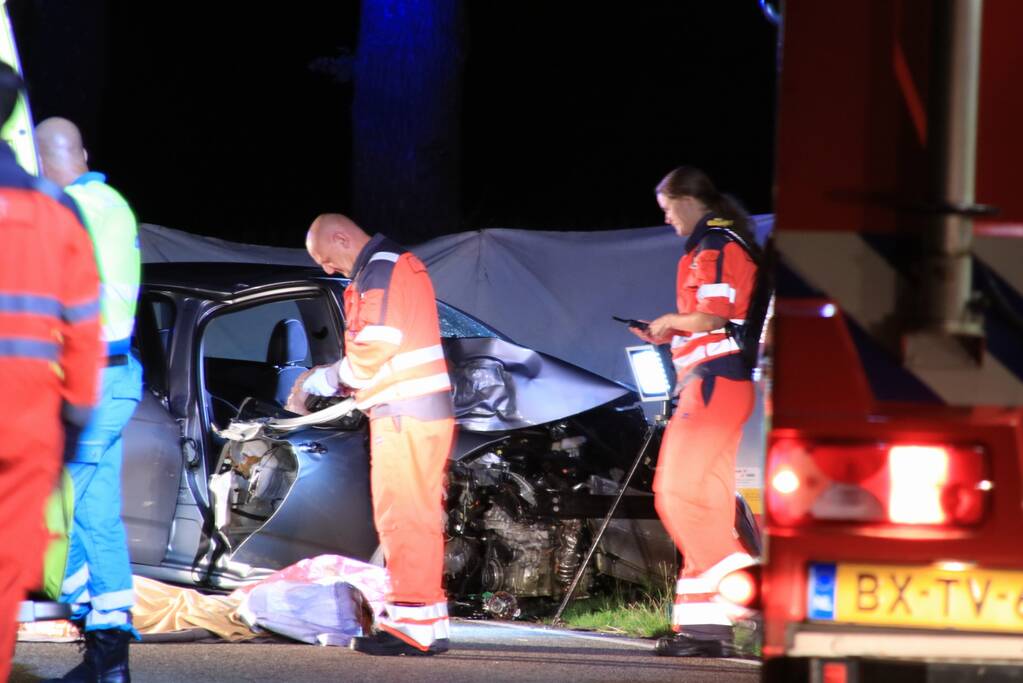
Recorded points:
(834,672)
(899,483)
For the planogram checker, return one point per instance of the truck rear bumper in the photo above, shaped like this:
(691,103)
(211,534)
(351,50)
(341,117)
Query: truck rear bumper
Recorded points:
(852,670)
(849,654)
(889,644)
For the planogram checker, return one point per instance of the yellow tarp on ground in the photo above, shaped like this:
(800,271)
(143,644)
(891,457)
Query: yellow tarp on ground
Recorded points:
(161,608)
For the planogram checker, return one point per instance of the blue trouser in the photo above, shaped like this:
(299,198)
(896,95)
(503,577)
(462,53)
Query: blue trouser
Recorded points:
(98,578)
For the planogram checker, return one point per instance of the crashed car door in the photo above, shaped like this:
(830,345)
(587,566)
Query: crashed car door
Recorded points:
(278,496)
(151,473)
(283,495)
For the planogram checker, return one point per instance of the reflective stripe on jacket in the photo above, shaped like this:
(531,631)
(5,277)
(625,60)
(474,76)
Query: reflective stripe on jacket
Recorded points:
(715,276)
(393,354)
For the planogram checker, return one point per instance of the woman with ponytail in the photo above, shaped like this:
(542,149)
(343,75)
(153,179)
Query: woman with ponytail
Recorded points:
(694,485)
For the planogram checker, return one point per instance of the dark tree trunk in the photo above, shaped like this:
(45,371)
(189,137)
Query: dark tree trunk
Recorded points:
(405,118)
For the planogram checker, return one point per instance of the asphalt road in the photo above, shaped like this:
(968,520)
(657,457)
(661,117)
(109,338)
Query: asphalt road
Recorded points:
(481,651)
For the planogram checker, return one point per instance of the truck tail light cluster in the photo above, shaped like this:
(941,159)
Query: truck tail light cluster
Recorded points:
(871,482)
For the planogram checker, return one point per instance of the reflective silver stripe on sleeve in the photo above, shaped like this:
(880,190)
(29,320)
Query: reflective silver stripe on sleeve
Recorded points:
(718,289)
(410,359)
(384,333)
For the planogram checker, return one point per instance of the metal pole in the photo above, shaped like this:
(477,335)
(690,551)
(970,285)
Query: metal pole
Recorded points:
(947,280)
(655,426)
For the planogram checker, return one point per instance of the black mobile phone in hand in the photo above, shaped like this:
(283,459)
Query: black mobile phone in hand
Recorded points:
(632,322)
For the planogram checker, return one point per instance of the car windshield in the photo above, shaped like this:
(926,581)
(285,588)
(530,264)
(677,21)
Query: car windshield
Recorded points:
(454,324)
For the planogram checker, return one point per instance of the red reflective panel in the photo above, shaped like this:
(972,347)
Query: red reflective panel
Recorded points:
(873,482)
(851,464)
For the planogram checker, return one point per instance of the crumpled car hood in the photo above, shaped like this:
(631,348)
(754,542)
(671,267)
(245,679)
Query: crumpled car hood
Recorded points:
(500,386)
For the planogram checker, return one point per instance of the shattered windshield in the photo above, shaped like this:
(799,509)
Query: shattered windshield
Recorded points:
(457,325)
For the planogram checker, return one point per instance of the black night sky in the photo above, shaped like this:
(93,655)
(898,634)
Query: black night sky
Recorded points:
(236,122)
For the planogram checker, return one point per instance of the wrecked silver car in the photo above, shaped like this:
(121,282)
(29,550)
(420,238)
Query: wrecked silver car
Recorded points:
(222,485)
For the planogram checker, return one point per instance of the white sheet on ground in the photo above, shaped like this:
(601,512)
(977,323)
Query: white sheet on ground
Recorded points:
(324,600)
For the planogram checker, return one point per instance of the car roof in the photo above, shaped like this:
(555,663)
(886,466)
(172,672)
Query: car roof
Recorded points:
(226,279)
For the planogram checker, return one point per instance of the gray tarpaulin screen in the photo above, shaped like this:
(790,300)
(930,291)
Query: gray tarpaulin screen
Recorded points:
(552,291)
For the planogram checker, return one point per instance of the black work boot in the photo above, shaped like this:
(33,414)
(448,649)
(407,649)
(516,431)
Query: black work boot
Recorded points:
(384,644)
(111,647)
(84,671)
(702,641)
(105,660)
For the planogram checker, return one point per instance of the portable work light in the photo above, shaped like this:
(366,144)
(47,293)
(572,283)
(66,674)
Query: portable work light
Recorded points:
(653,380)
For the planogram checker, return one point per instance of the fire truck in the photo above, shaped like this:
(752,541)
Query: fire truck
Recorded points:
(894,472)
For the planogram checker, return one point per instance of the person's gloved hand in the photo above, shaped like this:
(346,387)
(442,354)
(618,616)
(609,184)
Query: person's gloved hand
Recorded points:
(318,383)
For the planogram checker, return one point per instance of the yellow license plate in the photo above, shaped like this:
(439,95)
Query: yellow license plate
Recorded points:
(916,596)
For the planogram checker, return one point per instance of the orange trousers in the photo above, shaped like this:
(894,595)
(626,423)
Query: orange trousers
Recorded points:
(26,481)
(694,486)
(409,458)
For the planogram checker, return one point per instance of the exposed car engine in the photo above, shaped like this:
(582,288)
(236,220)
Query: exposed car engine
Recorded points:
(520,507)
(502,537)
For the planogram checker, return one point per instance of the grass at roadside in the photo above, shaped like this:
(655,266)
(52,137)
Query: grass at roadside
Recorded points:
(643,616)
(627,610)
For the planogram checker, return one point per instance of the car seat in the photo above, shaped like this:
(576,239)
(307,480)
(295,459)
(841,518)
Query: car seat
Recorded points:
(286,351)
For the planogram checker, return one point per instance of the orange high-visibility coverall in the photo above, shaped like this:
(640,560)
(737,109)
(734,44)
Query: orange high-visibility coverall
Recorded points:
(50,359)
(694,485)
(395,362)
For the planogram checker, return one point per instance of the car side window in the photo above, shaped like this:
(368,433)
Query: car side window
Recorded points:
(245,334)
(258,350)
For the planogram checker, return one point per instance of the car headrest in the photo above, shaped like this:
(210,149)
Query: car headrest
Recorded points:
(288,343)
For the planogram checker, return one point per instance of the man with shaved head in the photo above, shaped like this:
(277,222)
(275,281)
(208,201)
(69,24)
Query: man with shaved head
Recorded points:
(394,363)
(98,581)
